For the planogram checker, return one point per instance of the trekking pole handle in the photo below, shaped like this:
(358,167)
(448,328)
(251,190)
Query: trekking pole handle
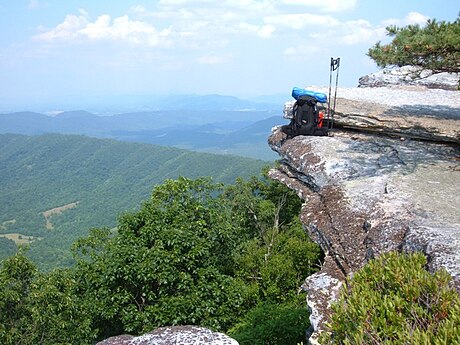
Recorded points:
(335,64)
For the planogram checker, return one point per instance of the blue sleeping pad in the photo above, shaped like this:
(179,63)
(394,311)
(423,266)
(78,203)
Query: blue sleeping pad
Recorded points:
(319,96)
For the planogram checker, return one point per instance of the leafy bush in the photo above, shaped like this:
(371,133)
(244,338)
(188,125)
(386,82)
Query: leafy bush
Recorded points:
(272,324)
(275,269)
(38,308)
(16,274)
(394,300)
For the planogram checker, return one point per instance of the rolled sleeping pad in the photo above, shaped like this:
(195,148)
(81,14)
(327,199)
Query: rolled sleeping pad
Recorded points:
(319,96)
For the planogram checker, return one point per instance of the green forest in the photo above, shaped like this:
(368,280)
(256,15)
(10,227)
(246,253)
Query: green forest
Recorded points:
(227,257)
(80,183)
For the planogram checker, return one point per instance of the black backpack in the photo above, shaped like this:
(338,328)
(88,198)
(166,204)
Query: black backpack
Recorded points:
(305,112)
(306,118)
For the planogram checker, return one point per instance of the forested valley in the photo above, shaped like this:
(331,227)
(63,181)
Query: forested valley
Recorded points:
(57,187)
(228,257)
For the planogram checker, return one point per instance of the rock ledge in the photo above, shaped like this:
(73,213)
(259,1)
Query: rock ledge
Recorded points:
(371,188)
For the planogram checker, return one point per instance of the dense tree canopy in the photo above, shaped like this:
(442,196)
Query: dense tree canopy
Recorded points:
(196,253)
(38,308)
(167,264)
(435,46)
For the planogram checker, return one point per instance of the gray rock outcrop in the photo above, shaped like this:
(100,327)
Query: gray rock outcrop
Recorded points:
(431,115)
(174,335)
(410,75)
(388,179)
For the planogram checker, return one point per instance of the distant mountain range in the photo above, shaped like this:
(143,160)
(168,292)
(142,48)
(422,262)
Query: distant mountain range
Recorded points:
(242,133)
(207,123)
(83,122)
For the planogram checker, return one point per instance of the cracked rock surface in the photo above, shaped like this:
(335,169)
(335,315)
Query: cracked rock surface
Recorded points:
(369,189)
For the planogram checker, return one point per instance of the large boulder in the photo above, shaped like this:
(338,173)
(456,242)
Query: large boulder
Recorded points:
(411,75)
(174,335)
(388,179)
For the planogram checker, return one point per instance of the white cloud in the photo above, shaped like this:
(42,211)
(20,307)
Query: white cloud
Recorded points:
(415,18)
(411,18)
(67,30)
(358,31)
(266,31)
(121,28)
(324,5)
(194,25)
(209,25)
(103,28)
(361,31)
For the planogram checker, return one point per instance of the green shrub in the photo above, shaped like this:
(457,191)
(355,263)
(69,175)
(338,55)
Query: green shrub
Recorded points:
(273,324)
(394,300)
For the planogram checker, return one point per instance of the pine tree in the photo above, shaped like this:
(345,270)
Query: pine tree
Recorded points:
(435,46)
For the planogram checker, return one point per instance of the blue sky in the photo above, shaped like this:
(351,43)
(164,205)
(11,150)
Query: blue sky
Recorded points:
(55,50)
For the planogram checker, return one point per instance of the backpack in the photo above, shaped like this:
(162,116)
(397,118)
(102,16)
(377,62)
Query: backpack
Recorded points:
(306,119)
(305,112)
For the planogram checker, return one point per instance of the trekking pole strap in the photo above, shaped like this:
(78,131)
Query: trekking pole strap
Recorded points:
(335,64)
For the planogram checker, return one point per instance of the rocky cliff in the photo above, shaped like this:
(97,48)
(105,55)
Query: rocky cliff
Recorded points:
(387,179)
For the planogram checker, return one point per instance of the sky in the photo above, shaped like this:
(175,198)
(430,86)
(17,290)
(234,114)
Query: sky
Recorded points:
(55,51)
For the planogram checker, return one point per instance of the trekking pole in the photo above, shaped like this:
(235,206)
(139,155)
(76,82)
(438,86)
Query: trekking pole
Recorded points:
(329,95)
(335,64)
